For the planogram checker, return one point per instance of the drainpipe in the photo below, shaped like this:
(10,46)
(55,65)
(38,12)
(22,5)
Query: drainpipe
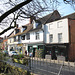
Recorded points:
(43,32)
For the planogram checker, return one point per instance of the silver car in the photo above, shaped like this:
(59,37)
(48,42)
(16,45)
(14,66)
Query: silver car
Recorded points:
(11,53)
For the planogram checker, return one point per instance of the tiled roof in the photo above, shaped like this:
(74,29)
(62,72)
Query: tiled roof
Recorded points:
(46,19)
(29,27)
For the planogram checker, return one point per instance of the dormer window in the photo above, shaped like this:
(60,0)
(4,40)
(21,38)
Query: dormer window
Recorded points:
(35,24)
(24,28)
(17,31)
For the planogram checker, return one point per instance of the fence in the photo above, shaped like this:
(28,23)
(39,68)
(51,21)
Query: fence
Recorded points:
(41,66)
(51,67)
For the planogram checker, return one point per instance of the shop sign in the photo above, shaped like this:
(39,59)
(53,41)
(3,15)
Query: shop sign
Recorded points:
(20,45)
(35,46)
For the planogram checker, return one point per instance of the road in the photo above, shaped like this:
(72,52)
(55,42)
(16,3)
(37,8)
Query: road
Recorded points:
(45,68)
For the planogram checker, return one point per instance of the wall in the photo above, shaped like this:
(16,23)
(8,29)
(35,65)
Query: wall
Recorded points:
(33,37)
(72,40)
(52,28)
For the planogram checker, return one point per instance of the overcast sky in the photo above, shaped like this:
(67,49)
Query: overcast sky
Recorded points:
(64,9)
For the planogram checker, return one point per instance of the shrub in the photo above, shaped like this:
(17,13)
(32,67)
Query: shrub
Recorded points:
(12,70)
(18,56)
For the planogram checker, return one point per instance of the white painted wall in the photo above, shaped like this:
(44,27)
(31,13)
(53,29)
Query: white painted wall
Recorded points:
(11,39)
(33,37)
(54,29)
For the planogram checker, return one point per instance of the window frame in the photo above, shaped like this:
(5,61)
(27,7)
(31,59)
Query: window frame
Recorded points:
(28,36)
(50,26)
(51,38)
(58,24)
(37,36)
(59,37)
(23,37)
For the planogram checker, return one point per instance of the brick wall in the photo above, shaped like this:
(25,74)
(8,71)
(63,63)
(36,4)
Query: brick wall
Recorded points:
(72,40)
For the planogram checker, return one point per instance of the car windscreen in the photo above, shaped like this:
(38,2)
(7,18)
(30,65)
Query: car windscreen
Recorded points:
(14,52)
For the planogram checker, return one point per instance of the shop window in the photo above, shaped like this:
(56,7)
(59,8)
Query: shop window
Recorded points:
(37,36)
(59,37)
(30,49)
(60,52)
(51,38)
(23,37)
(28,36)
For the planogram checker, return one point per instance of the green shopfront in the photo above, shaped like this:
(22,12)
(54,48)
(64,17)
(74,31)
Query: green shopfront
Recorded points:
(38,50)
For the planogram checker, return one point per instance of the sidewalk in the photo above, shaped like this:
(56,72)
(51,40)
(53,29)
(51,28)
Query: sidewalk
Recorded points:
(65,63)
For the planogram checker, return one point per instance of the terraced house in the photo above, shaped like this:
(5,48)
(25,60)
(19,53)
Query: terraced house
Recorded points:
(31,36)
(47,37)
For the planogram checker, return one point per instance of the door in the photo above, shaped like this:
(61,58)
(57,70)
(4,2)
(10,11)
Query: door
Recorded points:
(34,52)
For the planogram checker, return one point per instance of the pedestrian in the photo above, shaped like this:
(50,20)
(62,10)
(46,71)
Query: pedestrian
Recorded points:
(30,54)
(26,52)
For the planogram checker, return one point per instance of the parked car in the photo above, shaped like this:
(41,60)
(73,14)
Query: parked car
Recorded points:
(11,53)
(5,51)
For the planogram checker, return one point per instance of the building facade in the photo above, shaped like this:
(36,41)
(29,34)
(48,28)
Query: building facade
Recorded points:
(60,39)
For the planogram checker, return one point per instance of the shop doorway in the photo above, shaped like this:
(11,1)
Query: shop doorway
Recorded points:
(34,52)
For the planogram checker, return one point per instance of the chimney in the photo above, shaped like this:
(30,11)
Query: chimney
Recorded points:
(31,19)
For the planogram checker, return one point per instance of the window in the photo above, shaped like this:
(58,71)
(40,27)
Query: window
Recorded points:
(59,37)
(37,36)
(50,26)
(23,37)
(10,40)
(59,24)
(24,29)
(28,36)
(18,38)
(17,31)
(14,38)
(51,38)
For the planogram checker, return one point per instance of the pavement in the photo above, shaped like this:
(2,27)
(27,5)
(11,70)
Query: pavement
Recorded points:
(65,63)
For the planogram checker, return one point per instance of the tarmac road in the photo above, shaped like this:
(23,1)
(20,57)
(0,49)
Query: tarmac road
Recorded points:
(45,68)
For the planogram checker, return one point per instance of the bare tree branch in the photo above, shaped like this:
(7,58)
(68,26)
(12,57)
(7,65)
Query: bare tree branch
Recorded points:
(14,9)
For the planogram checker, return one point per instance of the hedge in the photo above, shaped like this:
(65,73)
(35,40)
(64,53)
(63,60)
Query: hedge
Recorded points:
(12,70)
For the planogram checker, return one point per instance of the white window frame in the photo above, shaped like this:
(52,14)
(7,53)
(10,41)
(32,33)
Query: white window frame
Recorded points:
(50,26)
(51,38)
(58,24)
(37,36)
(59,37)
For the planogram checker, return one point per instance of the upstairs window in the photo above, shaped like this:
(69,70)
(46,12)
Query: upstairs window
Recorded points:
(59,37)
(51,38)
(59,24)
(24,28)
(17,31)
(28,36)
(23,37)
(10,40)
(18,38)
(50,26)
(14,38)
(37,36)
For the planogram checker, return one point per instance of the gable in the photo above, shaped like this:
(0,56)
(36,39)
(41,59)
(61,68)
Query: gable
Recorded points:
(55,16)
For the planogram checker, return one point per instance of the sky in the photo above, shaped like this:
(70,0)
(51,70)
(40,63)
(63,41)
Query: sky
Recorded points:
(64,9)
